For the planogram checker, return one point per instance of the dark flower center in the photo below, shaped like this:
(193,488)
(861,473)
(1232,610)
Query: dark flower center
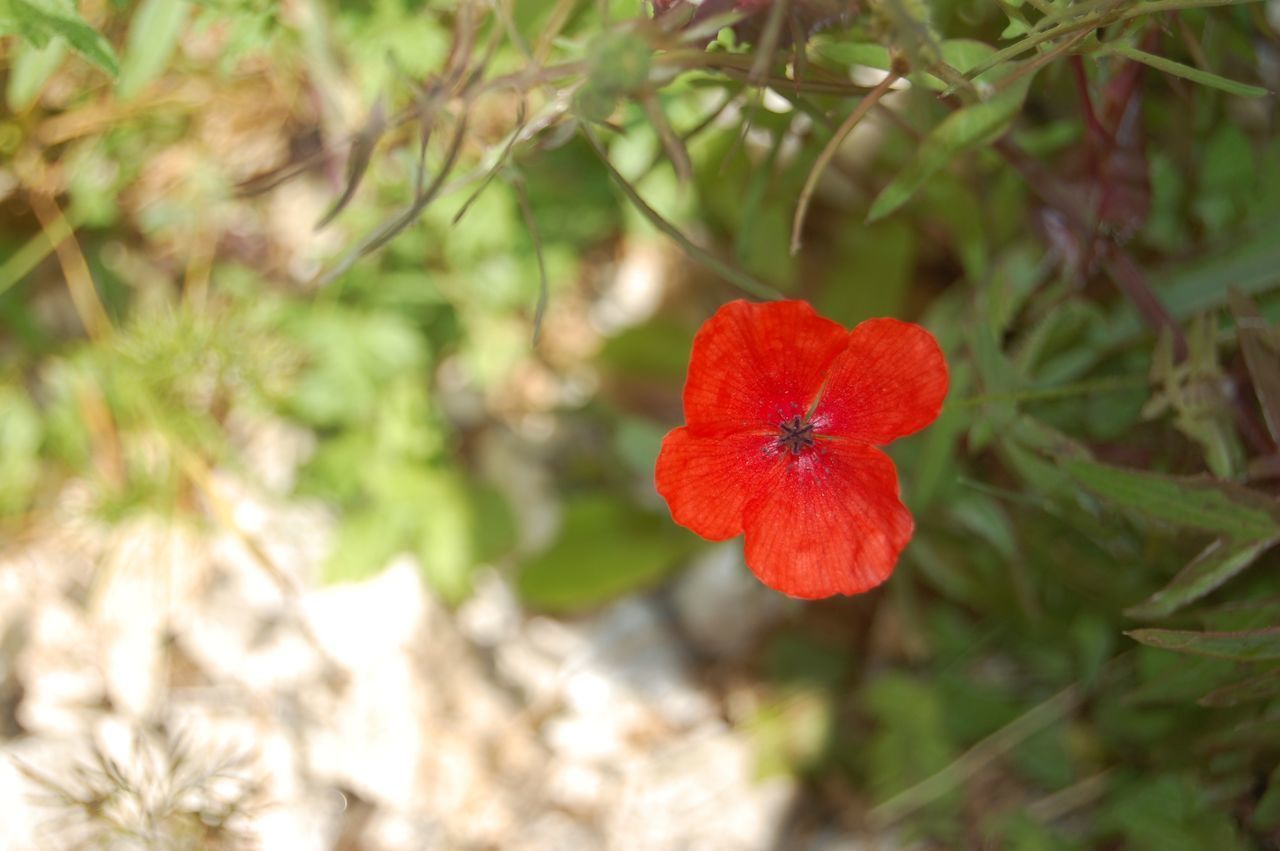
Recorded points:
(797,434)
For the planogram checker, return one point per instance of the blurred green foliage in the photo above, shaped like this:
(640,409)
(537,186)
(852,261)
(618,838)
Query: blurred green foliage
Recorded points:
(1079,199)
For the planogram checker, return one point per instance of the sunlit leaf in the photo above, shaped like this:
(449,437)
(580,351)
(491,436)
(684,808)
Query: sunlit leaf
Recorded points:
(30,67)
(153,36)
(39,21)
(20,437)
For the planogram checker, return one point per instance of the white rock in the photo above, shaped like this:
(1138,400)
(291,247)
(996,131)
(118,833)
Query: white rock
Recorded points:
(704,788)
(721,606)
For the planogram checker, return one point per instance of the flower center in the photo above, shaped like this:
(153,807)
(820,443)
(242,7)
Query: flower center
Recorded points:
(797,434)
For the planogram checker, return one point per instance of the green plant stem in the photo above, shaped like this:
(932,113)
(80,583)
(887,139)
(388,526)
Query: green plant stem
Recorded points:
(25,259)
(829,151)
(976,758)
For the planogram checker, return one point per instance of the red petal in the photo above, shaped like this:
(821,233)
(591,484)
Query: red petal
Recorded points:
(888,382)
(707,479)
(829,522)
(756,365)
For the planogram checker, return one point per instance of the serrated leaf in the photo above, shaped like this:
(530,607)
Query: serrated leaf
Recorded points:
(1252,646)
(1261,687)
(1219,562)
(965,129)
(153,36)
(1187,72)
(39,21)
(1187,502)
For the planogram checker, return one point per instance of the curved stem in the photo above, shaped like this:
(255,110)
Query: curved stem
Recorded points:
(824,159)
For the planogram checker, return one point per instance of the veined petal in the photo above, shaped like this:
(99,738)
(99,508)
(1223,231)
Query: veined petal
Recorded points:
(756,365)
(888,382)
(707,478)
(828,521)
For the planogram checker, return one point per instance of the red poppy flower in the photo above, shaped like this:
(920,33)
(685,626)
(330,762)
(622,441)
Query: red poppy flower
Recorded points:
(784,411)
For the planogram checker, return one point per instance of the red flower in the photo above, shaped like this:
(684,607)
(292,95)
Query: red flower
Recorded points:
(785,410)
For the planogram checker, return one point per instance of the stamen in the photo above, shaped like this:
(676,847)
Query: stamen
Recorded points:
(797,434)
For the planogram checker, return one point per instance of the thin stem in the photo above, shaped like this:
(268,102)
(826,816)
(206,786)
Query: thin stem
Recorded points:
(84,295)
(976,758)
(734,276)
(833,145)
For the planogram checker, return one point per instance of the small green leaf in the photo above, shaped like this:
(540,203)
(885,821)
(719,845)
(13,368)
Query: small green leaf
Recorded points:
(1188,502)
(153,36)
(605,549)
(1187,72)
(29,69)
(1219,562)
(965,129)
(1262,687)
(38,21)
(1254,646)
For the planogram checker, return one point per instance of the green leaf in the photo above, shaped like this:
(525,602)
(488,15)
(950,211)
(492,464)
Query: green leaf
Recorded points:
(29,69)
(39,21)
(21,434)
(444,541)
(1266,815)
(872,273)
(1168,813)
(1187,72)
(353,356)
(419,510)
(366,540)
(911,741)
(1187,502)
(1219,562)
(1258,342)
(1262,687)
(1241,615)
(1253,646)
(153,36)
(965,129)
(605,549)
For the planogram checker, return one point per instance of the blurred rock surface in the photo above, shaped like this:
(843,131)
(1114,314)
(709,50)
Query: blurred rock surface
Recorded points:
(369,716)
